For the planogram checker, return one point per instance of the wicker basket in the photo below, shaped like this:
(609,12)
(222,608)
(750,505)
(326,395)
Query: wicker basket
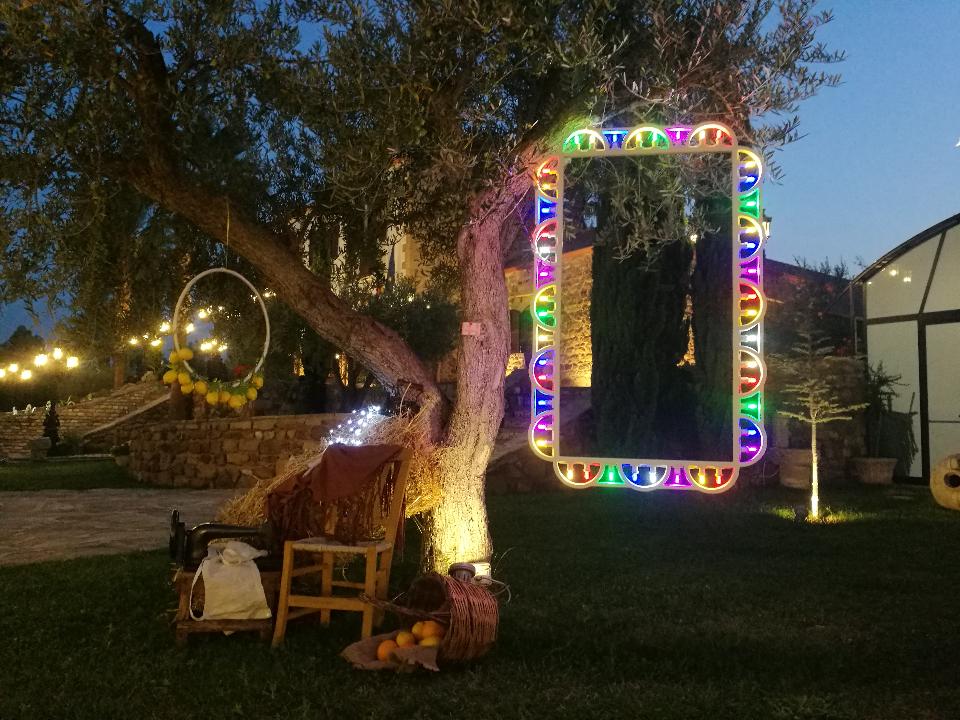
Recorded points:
(469,612)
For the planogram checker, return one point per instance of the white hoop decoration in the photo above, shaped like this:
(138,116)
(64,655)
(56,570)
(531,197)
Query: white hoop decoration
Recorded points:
(263,308)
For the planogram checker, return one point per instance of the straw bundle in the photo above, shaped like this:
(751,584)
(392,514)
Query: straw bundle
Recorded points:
(423,490)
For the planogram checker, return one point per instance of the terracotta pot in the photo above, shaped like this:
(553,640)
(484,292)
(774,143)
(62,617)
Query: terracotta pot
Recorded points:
(873,471)
(794,467)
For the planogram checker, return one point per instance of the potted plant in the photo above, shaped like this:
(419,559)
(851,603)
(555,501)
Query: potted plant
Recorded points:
(890,437)
(121,454)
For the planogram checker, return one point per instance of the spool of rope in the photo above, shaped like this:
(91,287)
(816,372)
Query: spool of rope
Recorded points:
(945,482)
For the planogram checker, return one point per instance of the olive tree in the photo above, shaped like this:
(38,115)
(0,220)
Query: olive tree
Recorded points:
(386,116)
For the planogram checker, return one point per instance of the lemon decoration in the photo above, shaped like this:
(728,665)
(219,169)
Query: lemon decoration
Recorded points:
(215,391)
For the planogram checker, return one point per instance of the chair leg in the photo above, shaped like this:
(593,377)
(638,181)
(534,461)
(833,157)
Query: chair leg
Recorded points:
(383,585)
(326,585)
(283,606)
(370,589)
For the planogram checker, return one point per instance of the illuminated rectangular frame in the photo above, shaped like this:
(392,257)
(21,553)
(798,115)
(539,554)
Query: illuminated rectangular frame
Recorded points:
(748,372)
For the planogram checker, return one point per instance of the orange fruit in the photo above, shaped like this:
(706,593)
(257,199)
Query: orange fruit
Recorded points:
(251,394)
(169,376)
(385,650)
(431,641)
(186,354)
(200,387)
(417,630)
(225,396)
(431,628)
(405,639)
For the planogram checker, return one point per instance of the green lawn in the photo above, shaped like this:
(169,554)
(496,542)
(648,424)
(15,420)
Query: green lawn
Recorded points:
(624,606)
(65,475)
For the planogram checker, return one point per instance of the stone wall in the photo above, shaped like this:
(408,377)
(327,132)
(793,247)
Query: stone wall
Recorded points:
(224,453)
(16,431)
(576,359)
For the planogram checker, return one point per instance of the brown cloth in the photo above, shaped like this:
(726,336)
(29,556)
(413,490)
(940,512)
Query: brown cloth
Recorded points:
(342,495)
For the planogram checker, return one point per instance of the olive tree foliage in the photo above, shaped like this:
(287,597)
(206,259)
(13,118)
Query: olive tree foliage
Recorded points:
(373,115)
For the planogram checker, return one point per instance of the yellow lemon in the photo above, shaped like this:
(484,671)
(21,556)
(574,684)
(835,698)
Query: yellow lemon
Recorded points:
(184,379)
(174,357)
(431,641)
(385,650)
(405,639)
(186,354)
(257,381)
(251,393)
(225,396)
(169,376)
(200,387)
(186,389)
(431,628)
(236,402)
(213,397)
(417,630)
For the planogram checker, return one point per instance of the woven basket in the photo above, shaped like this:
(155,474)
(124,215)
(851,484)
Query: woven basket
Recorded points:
(469,612)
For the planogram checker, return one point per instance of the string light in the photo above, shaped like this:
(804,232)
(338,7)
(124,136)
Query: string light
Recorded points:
(156,342)
(40,360)
(57,354)
(134,341)
(3,373)
(26,375)
(13,367)
(353,431)
(190,328)
(72,362)
(164,327)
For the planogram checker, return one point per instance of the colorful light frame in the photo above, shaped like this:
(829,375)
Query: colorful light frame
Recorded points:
(749,304)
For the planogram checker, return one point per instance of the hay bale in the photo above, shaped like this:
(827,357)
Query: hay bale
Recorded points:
(423,489)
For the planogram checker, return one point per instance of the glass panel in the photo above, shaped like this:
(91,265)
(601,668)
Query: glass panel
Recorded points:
(943,372)
(945,290)
(944,440)
(898,288)
(895,345)
(646,335)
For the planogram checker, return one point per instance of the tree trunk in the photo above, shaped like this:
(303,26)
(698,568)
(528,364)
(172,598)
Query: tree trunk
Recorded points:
(814,474)
(457,530)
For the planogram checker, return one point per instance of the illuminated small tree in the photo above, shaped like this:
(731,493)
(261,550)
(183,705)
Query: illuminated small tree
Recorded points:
(811,396)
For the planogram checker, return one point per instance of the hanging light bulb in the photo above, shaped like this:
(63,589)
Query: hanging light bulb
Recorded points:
(40,360)
(72,362)
(57,354)
(13,367)
(26,375)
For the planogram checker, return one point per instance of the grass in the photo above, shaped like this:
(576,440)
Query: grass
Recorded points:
(65,475)
(624,606)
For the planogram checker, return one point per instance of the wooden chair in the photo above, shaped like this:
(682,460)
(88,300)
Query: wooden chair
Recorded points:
(378,555)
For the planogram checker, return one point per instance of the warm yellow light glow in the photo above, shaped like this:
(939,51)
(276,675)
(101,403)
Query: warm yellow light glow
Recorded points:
(570,473)
(3,373)
(13,367)
(907,278)
(72,362)
(894,272)
(57,354)
(190,328)
(752,312)
(134,341)
(26,375)
(223,348)
(155,342)
(694,237)
(164,327)
(40,360)
(541,442)
(206,346)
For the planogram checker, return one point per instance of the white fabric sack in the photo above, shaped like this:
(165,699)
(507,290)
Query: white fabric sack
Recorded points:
(231,584)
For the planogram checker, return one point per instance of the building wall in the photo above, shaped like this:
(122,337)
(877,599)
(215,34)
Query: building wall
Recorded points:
(224,453)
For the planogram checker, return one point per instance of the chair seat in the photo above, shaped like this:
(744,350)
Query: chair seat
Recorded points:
(323,544)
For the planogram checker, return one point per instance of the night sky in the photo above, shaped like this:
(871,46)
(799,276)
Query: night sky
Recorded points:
(878,162)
